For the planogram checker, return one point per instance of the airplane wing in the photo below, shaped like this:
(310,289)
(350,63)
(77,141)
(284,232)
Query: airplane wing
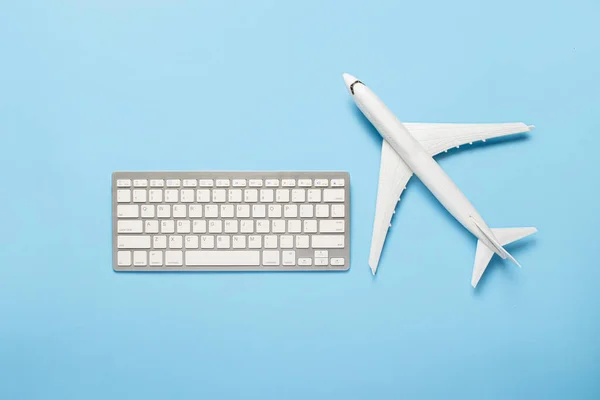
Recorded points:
(437,138)
(393,177)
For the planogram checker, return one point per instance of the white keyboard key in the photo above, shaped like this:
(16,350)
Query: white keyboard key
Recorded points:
(338,182)
(247,226)
(337,261)
(331,226)
(187,195)
(163,211)
(270,241)
(290,211)
(123,182)
(305,182)
(199,226)
(159,242)
(278,226)
(334,195)
(270,257)
(157,183)
(235,195)
(321,253)
(133,242)
(179,211)
(139,195)
(288,257)
(321,182)
(156,258)
(203,195)
(191,242)
(314,195)
(152,226)
(286,241)
(288,182)
(183,226)
(174,258)
(171,196)
(207,242)
(215,226)
(211,211)
(259,211)
(227,211)
(156,195)
(271,182)
(338,211)
(205,183)
(167,226)
(322,210)
(243,211)
(222,258)
(282,195)
(310,226)
(195,211)
(306,211)
(298,195)
(262,226)
(173,182)
(140,183)
(254,242)
(222,182)
(140,258)
(190,183)
(128,211)
(223,242)
(219,195)
(231,226)
(302,242)
(250,195)
(255,182)
(275,211)
(294,226)
(239,183)
(327,241)
(321,262)
(239,242)
(123,196)
(130,226)
(148,211)
(305,261)
(124,258)
(266,195)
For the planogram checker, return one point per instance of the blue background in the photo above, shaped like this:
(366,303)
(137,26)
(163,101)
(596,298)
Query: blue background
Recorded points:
(92,87)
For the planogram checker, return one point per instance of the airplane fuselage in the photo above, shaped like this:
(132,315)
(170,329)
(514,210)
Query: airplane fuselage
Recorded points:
(422,164)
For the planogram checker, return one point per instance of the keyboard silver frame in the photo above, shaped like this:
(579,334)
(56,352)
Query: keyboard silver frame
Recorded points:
(333,253)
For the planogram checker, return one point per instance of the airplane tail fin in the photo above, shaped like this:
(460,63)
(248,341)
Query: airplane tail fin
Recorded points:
(503,236)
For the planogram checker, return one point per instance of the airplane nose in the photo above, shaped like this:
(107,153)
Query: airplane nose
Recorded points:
(349,80)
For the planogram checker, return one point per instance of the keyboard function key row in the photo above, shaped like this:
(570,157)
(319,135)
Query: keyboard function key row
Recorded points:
(303,182)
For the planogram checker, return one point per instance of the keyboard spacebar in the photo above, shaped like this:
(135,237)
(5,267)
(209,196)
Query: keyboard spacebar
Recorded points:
(222,258)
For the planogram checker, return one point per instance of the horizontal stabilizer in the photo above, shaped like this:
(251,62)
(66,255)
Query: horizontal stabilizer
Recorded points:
(509,235)
(483,254)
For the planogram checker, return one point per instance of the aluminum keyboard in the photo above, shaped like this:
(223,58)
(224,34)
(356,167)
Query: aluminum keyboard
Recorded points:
(231,221)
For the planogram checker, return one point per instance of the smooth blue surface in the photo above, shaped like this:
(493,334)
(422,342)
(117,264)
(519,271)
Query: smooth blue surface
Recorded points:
(91,87)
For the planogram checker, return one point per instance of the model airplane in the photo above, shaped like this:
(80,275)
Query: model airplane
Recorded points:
(409,149)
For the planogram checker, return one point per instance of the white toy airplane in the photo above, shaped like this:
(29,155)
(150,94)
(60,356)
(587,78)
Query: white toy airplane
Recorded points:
(409,149)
